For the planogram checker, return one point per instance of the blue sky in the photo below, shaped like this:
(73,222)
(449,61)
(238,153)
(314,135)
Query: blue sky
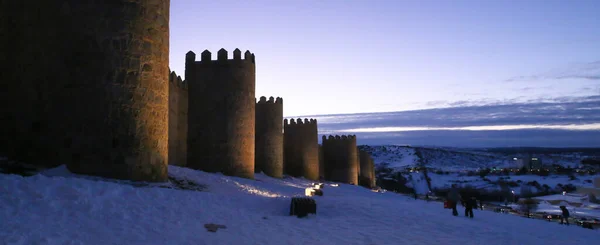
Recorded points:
(336,56)
(358,56)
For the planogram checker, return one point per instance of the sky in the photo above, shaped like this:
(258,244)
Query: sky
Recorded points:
(358,56)
(568,123)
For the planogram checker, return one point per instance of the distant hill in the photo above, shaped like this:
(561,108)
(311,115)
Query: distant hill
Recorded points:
(455,159)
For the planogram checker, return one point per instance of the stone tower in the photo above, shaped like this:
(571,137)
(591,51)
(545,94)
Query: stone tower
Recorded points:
(301,148)
(177,120)
(321,163)
(339,154)
(87,85)
(221,115)
(269,137)
(367,170)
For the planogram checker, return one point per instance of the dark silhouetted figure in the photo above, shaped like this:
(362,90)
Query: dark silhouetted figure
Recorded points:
(469,204)
(565,215)
(453,197)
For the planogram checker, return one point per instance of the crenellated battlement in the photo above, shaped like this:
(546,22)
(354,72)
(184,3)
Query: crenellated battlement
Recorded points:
(340,158)
(301,143)
(269,136)
(294,122)
(222,112)
(176,80)
(338,138)
(222,57)
(263,100)
(178,107)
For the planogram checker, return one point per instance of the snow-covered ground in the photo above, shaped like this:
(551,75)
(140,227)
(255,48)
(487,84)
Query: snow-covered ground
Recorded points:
(60,208)
(463,159)
(446,180)
(395,156)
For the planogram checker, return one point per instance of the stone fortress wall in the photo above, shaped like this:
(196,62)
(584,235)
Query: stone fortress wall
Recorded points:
(340,158)
(269,137)
(97,100)
(301,148)
(104,102)
(366,176)
(221,112)
(178,110)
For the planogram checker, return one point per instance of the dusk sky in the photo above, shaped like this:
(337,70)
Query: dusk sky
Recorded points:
(357,56)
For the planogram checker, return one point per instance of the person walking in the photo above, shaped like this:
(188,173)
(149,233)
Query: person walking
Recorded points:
(565,215)
(453,198)
(469,204)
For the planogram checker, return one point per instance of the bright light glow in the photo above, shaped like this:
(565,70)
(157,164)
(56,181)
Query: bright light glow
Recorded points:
(592,126)
(253,190)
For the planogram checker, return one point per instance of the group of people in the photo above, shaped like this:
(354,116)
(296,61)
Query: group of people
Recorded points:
(468,202)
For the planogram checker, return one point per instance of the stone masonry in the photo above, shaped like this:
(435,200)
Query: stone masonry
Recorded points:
(367,170)
(340,159)
(221,112)
(178,109)
(86,83)
(321,163)
(269,137)
(301,148)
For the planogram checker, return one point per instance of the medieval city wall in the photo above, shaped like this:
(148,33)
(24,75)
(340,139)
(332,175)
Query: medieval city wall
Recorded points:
(221,115)
(269,137)
(321,163)
(367,170)
(86,84)
(341,158)
(177,120)
(301,148)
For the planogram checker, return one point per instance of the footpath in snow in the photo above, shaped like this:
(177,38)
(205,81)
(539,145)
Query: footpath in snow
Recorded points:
(57,207)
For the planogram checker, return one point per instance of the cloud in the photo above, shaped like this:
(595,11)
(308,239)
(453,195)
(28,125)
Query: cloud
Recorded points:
(510,138)
(562,116)
(585,71)
(590,126)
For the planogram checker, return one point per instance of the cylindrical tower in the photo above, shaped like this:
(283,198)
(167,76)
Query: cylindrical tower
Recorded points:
(92,81)
(292,164)
(321,164)
(341,159)
(365,176)
(301,153)
(310,149)
(221,119)
(269,137)
(373,178)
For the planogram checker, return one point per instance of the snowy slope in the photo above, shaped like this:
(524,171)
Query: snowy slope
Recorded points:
(57,209)
(395,156)
(445,181)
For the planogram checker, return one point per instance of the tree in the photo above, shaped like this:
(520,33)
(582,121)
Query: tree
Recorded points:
(528,205)
(526,191)
(484,172)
